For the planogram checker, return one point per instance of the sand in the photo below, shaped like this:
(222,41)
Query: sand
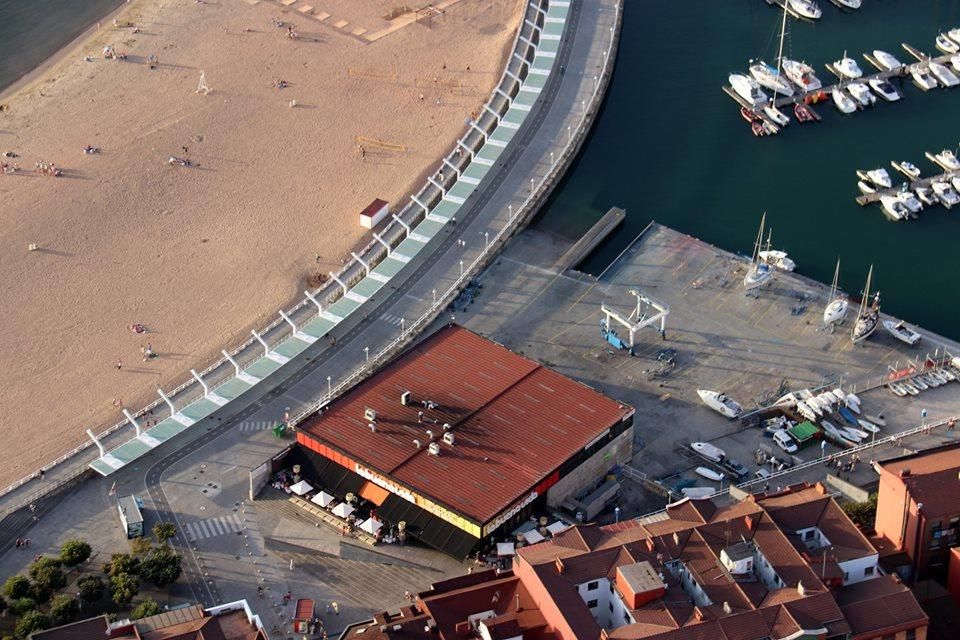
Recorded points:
(202,254)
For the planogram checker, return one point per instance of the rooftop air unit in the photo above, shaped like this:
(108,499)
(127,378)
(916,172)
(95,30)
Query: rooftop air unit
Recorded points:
(405,398)
(434,449)
(430,435)
(370,415)
(373,427)
(448,438)
(447,426)
(416,443)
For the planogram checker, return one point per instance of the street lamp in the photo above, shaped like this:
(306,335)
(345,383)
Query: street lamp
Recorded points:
(551,159)
(616,513)
(403,326)
(510,208)
(569,133)
(434,297)
(366,351)
(486,240)
(329,387)
(461,268)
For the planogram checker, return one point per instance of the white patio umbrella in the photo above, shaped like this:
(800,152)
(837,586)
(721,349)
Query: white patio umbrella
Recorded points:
(342,510)
(533,536)
(505,549)
(301,488)
(323,499)
(371,526)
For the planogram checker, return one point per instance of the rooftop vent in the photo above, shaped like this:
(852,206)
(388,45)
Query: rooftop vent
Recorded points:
(373,427)
(447,426)
(370,414)
(430,435)
(434,449)
(416,443)
(727,609)
(448,438)
(904,473)
(405,398)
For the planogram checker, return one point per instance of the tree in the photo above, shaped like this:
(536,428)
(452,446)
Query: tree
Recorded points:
(16,587)
(140,546)
(20,606)
(3,605)
(164,531)
(90,588)
(122,563)
(161,566)
(145,609)
(32,621)
(123,588)
(863,514)
(47,577)
(63,608)
(74,552)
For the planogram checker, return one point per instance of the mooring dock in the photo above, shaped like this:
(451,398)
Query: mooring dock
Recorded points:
(913,185)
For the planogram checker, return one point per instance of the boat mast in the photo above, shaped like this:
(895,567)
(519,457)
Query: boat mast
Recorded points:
(836,277)
(865,300)
(759,242)
(783,31)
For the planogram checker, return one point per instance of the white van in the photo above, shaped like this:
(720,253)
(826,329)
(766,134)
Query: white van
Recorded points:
(785,441)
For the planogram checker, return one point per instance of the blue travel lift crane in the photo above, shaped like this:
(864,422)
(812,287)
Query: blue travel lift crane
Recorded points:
(638,319)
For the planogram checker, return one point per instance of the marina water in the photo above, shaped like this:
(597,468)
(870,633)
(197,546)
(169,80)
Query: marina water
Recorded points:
(670,146)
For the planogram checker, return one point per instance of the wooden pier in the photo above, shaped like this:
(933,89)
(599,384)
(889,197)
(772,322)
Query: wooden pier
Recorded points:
(592,238)
(913,185)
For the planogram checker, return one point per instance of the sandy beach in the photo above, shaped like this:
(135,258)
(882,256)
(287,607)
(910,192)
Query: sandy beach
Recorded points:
(200,254)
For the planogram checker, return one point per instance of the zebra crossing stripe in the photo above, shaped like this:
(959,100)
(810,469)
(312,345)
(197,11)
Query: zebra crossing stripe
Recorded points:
(213,527)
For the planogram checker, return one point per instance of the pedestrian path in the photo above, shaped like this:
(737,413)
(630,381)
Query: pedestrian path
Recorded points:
(213,527)
(389,318)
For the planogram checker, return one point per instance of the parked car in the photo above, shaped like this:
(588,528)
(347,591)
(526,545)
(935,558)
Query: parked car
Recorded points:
(785,441)
(735,468)
(762,473)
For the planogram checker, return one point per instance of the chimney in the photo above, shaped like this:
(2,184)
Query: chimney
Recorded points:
(650,545)
(748,520)
(559,564)
(698,614)
(800,589)
(822,490)
(904,473)
(416,443)
(405,398)
(726,608)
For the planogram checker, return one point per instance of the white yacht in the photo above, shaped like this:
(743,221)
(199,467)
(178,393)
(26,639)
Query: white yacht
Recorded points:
(926,196)
(893,208)
(945,193)
(886,60)
(907,168)
(955,181)
(720,403)
(759,272)
(865,187)
(776,115)
(922,78)
(878,176)
(943,75)
(868,317)
(902,332)
(801,74)
(747,88)
(945,44)
(945,159)
(847,67)
(955,62)
(910,201)
(778,260)
(836,309)
(884,89)
(708,450)
(843,102)
(861,93)
(805,8)
(954,34)
(770,78)
(849,4)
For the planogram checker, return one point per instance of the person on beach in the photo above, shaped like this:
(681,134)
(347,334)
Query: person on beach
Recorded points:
(119,364)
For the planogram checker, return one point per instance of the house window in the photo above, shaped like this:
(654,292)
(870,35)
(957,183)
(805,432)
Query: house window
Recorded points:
(592,604)
(611,607)
(592,586)
(911,634)
(868,571)
(846,576)
(626,618)
(808,535)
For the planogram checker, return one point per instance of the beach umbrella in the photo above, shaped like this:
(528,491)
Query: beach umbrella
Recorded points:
(301,488)
(323,499)
(342,510)
(505,549)
(371,526)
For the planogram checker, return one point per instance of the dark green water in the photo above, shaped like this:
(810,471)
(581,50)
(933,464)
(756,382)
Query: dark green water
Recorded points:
(670,146)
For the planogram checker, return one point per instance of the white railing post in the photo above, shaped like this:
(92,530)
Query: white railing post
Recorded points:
(169,402)
(366,267)
(226,355)
(314,300)
(266,347)
(103,451)
(290,322)
(133,421)
(206,389)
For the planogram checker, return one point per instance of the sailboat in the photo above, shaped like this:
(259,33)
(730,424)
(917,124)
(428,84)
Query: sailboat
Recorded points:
(779,80)
(869,315)
(836,310)
(760,272)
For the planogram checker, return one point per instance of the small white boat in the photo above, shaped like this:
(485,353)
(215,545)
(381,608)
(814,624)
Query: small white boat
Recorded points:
(697,493)
(805,9)
(801,74)
(838,395)
(778,260)
(902,332)
(861,93)
(908,169)
(886,60)
(776,115)
(949,375)
(770,78)
(814,406)
(804,409)
(860,433)
(865,187)
(945,193)
(943,75)
(851,400)
(879,177)
(748,89)
(945,159)
(853,435)
(926,196)
(849,4)
(954,34)
(936,375)
(945,44)
(842,101)
(720,403)
(836,309)
(943,375)
(847,67)
(877,420)
(922,78)
(910,201)
(708,451)
(955,62)
(866,425)
(894,208)
(708,473)
(917,382)
(955,181)
(897,389)
(884,89)
(909,388)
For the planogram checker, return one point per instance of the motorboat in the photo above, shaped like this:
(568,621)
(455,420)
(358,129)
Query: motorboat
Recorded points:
(720,403)
(894,208)
(802,112)
(878,176)
(946,45)
(850,400)
(849,4)
(759,272)
(917,382)
(908,169)
(868,317)
(770,78)
(762,128)
(748,115)
(945,159)
(748,89)
(886,60)
(866,425)
(697,493)
(778,260)
(910,201)
(922,78)
(926,196)
(708,451)
(902,332)
(955,62)
(884,89)
(943,75)
(909,388)
(945,193)
(865,187)
(897,389)
(805,9)
(955,181)
(847,415)
(709,474)
(776,115)
(801,74)
(836,309)
(877,420)
(954,34)
(842,101)
(847,67)
(861,93)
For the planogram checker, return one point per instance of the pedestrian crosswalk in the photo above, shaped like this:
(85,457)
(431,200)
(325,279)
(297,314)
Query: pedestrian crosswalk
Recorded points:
(212,527)
(248,426)
(392,319)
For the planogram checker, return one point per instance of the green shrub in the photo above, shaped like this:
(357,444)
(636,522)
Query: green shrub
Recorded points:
(123,588)
(145,609)
(74,552)
(16,587)
(63,608)
(32,621)
(122,563)
(20,606)
(91,588)
(164,531)
(161,566)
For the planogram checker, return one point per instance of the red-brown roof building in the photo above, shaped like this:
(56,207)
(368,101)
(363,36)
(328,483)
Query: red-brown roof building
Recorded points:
(918,509)
(465,436)
(697,571)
